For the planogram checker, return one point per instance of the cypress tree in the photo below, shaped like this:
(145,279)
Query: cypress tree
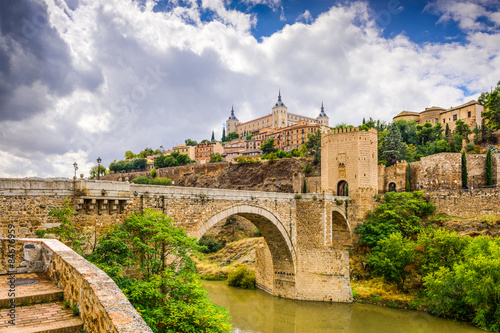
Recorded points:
(393,147)
(489,170)
(304,187)
(213,136)
(408,178)
(464,170)
(223,134)
(447,131)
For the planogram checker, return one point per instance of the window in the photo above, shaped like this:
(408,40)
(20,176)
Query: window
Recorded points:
(454,117)
(468,114)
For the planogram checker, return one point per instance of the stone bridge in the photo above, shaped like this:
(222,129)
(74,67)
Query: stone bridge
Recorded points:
(307,238)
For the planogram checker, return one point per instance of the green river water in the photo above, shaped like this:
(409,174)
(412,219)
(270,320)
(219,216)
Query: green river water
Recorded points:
(256,311)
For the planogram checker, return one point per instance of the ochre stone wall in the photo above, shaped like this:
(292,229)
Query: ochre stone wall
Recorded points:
(467,203)
(444,171)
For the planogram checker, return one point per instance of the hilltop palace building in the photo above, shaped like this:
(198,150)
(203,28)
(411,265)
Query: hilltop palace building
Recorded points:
(278,119)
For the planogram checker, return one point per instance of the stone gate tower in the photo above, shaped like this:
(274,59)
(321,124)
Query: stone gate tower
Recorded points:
(349,159)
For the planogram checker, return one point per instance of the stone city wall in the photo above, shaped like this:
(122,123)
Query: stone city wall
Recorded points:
(467,203)
(103,307)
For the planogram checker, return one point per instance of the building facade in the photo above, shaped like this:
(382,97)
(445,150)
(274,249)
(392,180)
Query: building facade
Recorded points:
(203,151)
(186,150)
(278,118)
(470,113)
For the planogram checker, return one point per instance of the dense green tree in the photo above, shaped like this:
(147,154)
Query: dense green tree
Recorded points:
(249,137)
(464,171)
(398,212)
(223,139)
(216,158)
(408,130)
(146,152)
(489,170)
(93,171)
(268,146)
(491,102)
(174,159)
(470,289)
(447,131)
(394,259)
(462,129)
(190,142)
(168,295)
(425,133)
(393,147)
(129,155)
(313,145)
(213,137)
(232,136)
(136,164)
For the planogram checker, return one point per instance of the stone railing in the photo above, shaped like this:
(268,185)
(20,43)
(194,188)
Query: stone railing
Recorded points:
(103,307)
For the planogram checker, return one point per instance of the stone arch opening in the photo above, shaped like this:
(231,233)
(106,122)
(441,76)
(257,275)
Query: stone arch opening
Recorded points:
(343,188)
(276,277)
(341,231)
(392,187)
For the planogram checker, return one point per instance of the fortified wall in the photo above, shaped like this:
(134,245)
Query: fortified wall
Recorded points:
(438,172)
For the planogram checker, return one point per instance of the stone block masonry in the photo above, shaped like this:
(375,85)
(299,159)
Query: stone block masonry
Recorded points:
(305,238)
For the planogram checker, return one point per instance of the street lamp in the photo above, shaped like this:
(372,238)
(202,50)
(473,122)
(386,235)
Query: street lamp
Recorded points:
(99,168)
(75,165)
(316,186)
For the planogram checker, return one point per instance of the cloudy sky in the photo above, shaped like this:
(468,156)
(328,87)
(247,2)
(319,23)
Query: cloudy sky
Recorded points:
(86,78)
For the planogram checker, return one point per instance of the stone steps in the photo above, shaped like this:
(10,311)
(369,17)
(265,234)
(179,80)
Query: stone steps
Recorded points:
(39,307)
(41,292)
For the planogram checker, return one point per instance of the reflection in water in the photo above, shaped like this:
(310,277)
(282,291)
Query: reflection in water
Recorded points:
(255,311)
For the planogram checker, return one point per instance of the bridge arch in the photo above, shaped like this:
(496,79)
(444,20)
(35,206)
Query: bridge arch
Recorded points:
(341,229)
(282,251)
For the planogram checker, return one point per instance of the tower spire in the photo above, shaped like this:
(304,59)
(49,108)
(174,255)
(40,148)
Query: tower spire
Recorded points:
(279,102)
(232,116)
(322,113)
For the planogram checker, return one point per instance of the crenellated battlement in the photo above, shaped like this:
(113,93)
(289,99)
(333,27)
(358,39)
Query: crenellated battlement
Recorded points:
(335,131)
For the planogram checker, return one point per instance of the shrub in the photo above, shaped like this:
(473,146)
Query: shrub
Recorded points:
(161,181)
(153,172)
(308,168)
(141,180)
(152,181)
(470,147)
(210,244)
(298,196)
(242,277)
(246,159)
(398,212)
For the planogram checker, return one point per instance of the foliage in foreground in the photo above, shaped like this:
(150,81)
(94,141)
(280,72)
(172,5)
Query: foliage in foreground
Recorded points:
(471,288)
(168,295)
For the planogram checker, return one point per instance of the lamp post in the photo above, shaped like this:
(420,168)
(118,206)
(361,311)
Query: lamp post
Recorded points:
(75,165)
(99,168)
(316,186)
(472,183)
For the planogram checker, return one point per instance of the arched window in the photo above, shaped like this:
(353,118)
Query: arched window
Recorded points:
(392,187)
